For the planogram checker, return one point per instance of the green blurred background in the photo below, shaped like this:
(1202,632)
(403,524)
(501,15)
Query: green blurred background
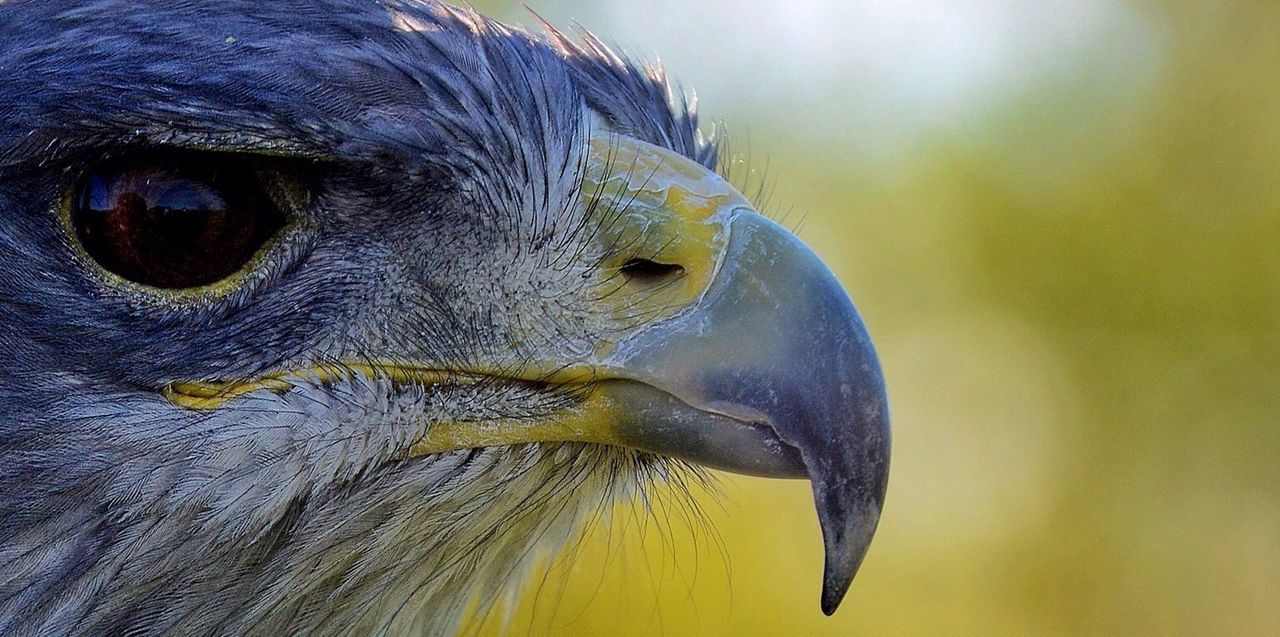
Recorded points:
(1061,222)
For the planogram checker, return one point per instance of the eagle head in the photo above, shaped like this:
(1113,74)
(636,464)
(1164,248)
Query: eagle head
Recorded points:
(321,317)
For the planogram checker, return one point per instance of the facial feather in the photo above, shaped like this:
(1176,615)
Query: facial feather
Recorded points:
(442,173)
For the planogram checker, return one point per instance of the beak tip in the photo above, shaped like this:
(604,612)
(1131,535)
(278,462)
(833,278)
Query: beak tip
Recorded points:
(836,579)
(831,597)
(844,553)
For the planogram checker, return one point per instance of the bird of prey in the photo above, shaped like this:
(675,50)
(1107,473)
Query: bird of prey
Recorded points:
(323,316)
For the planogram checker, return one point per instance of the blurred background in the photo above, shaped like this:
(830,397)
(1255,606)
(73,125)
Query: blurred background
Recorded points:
(1061,222)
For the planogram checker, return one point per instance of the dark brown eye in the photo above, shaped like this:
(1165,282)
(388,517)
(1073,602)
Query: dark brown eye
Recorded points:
(174,223)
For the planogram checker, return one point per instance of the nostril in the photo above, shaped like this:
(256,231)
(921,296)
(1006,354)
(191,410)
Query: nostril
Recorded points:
(648,271)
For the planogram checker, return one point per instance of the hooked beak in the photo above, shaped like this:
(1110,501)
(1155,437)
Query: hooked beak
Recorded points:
(775,375)
(769,371)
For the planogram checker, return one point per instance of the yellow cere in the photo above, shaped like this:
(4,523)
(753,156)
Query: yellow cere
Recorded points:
(655,204)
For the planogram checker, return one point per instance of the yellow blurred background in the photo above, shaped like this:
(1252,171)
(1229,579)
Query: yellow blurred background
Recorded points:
(1061,222)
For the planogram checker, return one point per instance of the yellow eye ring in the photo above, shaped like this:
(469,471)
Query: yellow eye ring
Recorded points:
(178,225)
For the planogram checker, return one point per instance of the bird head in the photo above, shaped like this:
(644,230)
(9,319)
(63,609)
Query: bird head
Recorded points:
(325,316)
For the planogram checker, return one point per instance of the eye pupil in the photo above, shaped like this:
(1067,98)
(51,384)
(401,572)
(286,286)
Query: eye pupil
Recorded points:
(174,224)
